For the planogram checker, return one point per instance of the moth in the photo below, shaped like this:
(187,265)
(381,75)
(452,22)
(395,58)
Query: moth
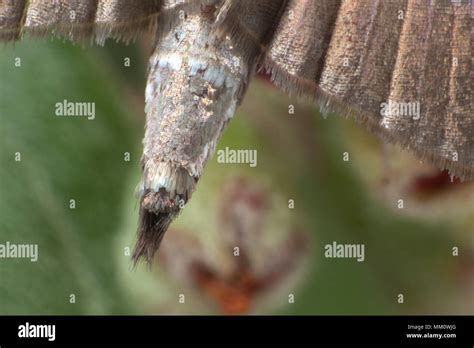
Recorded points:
(402,68)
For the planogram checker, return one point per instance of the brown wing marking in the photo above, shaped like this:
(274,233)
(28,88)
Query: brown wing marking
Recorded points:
(11,13)
(387,52)
(98,20)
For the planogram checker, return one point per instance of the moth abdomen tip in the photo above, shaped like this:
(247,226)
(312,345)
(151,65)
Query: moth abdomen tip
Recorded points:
(164,191)
(151,230)
(159,202)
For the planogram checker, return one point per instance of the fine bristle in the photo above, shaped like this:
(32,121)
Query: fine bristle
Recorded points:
(151,229)
(163,192)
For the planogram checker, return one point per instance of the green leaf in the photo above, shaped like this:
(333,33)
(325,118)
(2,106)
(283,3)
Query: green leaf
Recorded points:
(62,158)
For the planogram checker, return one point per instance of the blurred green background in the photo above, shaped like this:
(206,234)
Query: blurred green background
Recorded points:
(85,251)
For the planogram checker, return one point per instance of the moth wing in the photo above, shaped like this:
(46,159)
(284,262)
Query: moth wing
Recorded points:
(77,20)
(404,68)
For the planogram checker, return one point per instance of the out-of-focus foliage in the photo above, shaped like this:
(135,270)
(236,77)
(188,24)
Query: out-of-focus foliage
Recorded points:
(84,251)
(62,158)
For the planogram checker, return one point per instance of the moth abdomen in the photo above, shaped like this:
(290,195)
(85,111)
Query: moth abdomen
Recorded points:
(197,78)
(195,84)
